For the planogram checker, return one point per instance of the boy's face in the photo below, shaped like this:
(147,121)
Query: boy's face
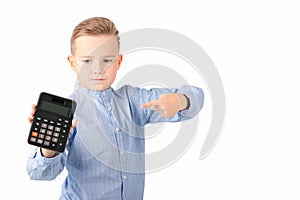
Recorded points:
(96,60)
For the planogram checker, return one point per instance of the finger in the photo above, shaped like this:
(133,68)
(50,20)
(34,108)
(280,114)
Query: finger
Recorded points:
(33,106)
(146,105)
(30,119)
(149,104)
(158,108)
(162,113)
(32,112)
(74,122)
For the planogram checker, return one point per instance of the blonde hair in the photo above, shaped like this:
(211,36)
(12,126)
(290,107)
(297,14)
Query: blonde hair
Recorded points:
(92,27)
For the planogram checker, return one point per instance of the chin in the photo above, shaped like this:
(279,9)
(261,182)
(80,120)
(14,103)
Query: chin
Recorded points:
(101,87)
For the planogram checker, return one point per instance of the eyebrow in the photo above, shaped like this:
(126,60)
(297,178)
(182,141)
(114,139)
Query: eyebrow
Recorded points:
(105,56)
(86,57)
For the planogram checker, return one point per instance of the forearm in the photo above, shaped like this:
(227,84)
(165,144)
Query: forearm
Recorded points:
(42,168)
(170,105)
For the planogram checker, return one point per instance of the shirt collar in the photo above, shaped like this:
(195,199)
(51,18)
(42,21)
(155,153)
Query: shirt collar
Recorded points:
(95,93)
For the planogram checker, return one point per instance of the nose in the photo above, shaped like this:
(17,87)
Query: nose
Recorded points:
(99,68)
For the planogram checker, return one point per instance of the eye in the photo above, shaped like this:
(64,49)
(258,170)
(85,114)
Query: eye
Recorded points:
(107,60)
(87,61)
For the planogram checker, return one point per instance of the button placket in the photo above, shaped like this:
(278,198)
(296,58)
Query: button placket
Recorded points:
(106,101)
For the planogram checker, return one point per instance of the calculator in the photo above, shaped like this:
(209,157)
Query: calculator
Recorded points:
(52,122)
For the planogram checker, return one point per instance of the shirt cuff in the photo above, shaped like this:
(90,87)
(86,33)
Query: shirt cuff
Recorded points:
(38,155)
(195,98)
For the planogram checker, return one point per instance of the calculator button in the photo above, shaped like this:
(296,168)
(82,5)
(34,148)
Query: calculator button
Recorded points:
(48,137)
(37,124)
(34,134)
(50,127)
(53,145)
(55,134)
(43,130)
(45,120)
(32,139)
(46,143)
(66,121)
(51,122)
(58,124)
(44,125)
(42,136)
(57,129)
(54,140)
(39,141)
(49,132)
(38,118)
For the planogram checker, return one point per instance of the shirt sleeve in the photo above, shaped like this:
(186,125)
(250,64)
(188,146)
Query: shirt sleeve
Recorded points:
(196,100)
(140,96)
(42,168)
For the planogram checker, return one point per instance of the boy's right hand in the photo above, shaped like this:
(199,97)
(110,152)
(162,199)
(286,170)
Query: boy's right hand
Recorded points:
(46,152)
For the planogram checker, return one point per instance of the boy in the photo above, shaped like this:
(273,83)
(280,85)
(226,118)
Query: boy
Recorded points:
(104,156)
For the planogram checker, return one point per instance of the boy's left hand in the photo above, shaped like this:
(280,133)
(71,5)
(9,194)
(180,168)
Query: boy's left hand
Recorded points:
(168,105)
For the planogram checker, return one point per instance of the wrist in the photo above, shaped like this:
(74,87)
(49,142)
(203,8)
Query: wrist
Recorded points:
(183,101)
(47,153)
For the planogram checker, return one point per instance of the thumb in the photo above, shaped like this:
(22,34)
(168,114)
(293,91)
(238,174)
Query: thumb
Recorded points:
(74,123)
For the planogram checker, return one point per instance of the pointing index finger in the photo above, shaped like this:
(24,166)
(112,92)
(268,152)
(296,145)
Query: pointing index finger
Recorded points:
(149,104)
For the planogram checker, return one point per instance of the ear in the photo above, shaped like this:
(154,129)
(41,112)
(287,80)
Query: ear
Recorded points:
(72,62)
(120,58)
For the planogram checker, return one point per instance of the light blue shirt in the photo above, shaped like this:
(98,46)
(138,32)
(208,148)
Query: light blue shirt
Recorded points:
(104,156)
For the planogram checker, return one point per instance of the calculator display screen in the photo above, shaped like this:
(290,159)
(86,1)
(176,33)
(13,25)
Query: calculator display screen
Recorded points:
(60,110)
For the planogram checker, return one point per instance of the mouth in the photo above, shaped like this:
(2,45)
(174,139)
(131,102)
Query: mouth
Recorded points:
(97,79)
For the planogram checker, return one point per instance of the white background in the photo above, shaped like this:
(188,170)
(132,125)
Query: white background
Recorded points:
(255,46)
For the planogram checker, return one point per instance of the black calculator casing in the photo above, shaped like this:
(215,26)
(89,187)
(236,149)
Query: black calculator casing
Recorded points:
(52,122)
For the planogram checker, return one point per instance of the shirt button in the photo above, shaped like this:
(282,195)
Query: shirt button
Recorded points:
(124,177)
(121,152)
(104,93)
(117,129)
(109,108)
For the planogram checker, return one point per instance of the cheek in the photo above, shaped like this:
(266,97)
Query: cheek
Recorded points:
(82,70)
(82,74)
(111,73)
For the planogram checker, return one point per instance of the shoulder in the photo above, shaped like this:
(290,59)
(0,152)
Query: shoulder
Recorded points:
(127,90)
(74,95)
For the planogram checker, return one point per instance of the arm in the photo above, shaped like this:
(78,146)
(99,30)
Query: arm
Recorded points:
(45,164)
(171,105)
(42,168)
(168,105)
